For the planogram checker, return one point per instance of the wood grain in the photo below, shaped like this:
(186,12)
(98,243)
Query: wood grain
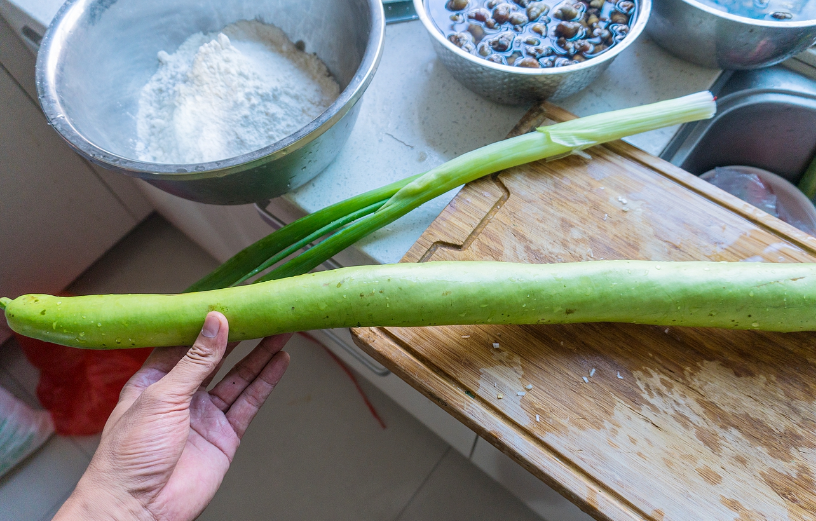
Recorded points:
(636,422)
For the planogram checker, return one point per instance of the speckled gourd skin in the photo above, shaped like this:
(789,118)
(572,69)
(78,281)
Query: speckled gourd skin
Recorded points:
(773,297)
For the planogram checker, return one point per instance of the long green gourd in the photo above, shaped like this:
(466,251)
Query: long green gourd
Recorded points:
(773,297)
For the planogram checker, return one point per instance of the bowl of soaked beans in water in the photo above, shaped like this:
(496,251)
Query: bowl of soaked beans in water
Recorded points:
(518,51)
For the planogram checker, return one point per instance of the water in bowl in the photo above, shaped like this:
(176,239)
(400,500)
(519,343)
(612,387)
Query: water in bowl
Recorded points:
(771,10)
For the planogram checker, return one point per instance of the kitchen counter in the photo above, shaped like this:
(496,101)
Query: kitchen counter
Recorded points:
(415,116)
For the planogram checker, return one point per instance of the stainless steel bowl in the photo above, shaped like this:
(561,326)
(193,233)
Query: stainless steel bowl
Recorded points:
(517,85)
(716,39)
(97,55)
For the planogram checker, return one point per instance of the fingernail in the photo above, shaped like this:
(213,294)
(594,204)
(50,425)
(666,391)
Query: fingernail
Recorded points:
(211,326)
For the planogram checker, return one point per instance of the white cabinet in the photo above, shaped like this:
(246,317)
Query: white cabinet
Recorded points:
(56,215)
(431,415)
(222,231)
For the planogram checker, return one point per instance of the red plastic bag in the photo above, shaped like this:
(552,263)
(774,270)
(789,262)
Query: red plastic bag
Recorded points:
(80,387)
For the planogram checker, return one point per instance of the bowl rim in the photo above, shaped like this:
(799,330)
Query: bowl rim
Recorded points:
(47,67)
(748,21)
(644,12)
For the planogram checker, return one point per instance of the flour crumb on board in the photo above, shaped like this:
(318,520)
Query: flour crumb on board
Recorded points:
(619,376)
(521,393)
(606,216)
(528,387)
(586,380)
(495,345)
(538,418)
(500,396)
(592,373)
(465,336)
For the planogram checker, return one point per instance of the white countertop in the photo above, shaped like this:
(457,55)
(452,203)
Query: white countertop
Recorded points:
(415,116)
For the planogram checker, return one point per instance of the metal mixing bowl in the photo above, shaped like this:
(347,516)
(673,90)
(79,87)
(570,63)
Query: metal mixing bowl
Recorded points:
(716,39)
(518,85)
(97,55)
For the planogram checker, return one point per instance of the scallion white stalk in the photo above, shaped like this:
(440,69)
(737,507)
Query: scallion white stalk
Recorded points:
(553,141)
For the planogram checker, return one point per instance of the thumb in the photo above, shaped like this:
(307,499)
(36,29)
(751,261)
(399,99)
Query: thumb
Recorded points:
(201,359)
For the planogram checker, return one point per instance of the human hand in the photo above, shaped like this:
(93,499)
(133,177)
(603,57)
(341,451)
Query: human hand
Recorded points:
(169,442)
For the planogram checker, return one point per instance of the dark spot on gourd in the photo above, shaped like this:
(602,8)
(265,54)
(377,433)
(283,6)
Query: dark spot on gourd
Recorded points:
(293,308)
(42,312)
(362,295)
(569,312)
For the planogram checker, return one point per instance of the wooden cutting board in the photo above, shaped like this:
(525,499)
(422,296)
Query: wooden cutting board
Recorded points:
(627,421)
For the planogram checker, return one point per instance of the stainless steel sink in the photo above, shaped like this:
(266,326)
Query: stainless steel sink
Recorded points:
(765,118)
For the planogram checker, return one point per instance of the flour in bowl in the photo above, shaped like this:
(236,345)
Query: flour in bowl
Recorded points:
(226,94)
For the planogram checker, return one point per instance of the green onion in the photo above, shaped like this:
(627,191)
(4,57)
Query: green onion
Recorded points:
(359,216)
(548,142)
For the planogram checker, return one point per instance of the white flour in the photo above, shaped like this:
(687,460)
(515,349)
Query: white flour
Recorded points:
(219,96)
